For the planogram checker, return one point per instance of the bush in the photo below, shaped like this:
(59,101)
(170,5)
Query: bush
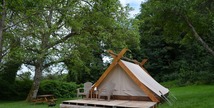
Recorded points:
(198,77)
(58,88)
(22,88)
(170,84)
(17,91)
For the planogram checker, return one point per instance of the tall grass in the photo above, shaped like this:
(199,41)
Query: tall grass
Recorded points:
(23,104)
(200,96)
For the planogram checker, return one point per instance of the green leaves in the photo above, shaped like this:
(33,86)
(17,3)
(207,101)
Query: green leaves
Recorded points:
(58,89)
(169,42)
(53,30)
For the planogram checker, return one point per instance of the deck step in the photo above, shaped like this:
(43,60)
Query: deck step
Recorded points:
(77,106)
(107,104)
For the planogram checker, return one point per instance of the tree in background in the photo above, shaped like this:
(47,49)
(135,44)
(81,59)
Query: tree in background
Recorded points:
(175,36)
(106,26)
(74,32)
(10,46)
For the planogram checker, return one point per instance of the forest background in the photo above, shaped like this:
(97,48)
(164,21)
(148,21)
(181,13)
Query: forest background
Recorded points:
(175,36)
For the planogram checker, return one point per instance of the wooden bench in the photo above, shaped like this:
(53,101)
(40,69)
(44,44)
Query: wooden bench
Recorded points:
(49,99)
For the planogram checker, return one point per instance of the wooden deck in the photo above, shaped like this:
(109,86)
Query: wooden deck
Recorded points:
(82,103)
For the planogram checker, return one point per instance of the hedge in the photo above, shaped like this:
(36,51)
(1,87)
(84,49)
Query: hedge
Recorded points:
(58,88)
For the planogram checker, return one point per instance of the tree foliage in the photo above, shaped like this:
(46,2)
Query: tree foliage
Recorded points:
(58,89)
(175,36)
(42,33)
(10,46)
(106,27)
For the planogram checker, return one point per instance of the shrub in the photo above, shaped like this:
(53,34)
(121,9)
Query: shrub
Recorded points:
(58,88)
(17,91)
(22,88)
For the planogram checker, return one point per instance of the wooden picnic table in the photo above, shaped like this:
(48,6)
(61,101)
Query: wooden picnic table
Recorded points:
(49,98)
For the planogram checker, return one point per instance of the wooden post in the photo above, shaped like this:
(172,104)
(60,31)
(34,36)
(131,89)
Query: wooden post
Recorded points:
(143,62)
(124,58)
(108,70)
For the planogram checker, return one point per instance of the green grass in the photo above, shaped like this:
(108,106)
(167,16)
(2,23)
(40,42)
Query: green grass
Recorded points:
(200,96)
(23,104)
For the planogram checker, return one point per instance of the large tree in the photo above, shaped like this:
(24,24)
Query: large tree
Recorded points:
(107,27)
(2,20)
(10,52)
(41,33)
(10,46)
(176,36)
(56,31)
(48,25)
(192,19)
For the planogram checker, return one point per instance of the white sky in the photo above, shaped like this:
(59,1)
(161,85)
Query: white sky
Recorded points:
(134,4)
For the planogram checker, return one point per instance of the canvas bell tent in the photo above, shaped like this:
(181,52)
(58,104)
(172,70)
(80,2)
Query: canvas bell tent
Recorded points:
(132,81)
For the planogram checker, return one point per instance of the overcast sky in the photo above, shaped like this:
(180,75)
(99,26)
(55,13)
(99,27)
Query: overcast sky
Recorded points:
(134,4)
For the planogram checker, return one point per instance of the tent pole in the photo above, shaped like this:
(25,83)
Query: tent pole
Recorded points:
(124,58)
(166,99)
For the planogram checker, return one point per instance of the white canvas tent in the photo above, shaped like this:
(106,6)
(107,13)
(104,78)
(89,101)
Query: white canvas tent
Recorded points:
(132,81)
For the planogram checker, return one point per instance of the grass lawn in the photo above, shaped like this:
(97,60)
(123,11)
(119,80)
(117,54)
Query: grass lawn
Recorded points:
(23,104)
(200,96)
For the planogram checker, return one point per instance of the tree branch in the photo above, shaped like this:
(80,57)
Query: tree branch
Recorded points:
(62,40)
(2,21)
(53,62)
(87,3)
(204,44)
(34,50)
(30,61)
(16,23)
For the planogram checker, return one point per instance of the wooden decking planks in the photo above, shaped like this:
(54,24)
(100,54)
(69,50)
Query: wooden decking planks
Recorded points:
(103,103)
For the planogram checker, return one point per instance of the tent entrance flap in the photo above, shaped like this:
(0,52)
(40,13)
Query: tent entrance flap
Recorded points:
(124,85)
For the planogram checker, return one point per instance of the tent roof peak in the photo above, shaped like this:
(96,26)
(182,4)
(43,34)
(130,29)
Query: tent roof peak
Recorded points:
(114,55)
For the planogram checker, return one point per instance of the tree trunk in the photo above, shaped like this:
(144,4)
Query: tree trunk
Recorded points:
(204,44)
(36,83)
(2,19)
